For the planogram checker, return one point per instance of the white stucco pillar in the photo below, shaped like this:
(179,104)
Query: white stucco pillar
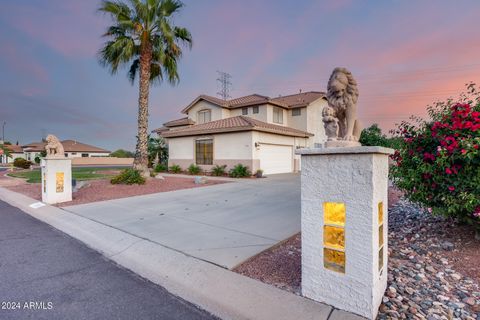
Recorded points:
(344,227)
(56,180)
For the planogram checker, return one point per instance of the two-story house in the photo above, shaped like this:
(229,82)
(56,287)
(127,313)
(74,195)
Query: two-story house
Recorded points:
(256,131)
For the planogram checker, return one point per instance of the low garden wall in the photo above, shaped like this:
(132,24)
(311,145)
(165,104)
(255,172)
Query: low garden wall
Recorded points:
(102,161)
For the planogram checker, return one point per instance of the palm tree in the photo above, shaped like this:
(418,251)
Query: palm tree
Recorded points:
(143,36)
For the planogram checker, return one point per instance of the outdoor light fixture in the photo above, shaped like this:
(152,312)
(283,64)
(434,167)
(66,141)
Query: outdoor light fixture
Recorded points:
(334,215)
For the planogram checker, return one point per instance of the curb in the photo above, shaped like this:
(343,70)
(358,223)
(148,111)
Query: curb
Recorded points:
(219,291)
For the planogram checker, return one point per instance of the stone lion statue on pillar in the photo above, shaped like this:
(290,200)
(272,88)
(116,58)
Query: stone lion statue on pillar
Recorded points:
(342,96)
(54,147)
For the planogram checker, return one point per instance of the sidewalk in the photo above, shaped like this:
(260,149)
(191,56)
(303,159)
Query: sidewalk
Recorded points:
(223,293)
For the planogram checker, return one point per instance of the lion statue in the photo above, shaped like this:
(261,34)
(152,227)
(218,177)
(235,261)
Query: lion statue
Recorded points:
(54,147)
(342,96)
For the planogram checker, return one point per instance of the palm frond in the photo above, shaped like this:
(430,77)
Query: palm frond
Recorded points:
(132,73)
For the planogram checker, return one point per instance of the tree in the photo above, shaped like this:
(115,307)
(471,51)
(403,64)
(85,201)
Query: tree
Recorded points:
(373,136)
(157,147)
(143,35)
(120,153)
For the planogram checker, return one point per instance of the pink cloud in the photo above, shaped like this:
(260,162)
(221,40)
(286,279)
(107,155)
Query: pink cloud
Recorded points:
(73,30)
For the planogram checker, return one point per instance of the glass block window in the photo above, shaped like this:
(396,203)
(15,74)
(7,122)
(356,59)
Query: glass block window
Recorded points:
(296,112)
(334,215)
(380,236)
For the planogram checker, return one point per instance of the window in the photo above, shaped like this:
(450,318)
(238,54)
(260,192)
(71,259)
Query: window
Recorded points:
(277,115)
(204,151)
(255,109)
(244,111)
(296,112)
(84,155)
(204,116)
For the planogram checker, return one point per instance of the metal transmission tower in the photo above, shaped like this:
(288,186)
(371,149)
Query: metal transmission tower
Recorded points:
(225,85)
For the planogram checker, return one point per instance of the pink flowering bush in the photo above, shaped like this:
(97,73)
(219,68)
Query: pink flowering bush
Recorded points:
(438,165)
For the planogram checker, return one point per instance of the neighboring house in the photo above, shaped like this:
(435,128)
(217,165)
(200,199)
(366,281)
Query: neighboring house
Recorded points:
(14,151)
(256,131)
(72,148)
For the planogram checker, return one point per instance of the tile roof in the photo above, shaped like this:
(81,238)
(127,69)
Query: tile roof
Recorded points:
(234,124)
(75,146)
(13,148)
(290,101)
(34,146)
(68,146)
(299,99)
(179,122)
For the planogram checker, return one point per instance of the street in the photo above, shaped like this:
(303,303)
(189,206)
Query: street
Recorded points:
(45,274)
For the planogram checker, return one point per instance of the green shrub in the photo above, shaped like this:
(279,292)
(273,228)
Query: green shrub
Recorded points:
(37,160)
(438,165)
(128,176)
(218,170)
(175,168)
(160,168)
(194,169)
(22,163)
(153,174)
(240,171)
(259,173)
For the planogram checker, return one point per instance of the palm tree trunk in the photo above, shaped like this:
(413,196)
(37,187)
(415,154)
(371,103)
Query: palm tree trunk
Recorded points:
(141,153)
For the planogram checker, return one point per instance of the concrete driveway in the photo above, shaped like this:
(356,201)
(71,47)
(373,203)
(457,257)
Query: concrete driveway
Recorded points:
(223,224)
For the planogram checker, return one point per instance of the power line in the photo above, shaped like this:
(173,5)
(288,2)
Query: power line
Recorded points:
(225,85)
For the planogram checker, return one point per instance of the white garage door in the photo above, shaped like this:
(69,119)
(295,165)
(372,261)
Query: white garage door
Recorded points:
(276,159)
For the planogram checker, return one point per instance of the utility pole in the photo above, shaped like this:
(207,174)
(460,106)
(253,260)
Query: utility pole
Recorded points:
(225,85)
(3,131)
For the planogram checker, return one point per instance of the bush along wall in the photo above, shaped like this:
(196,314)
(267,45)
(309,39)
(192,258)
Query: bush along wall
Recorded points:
(438,166)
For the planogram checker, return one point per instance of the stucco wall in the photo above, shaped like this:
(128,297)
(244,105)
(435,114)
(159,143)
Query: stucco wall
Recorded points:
(360,181)
(102,161)
(228,149)
(315,123)
(262,114)
(298,122)
(217,112)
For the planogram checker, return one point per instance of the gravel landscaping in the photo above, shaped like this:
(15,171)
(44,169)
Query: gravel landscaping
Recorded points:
(100,190)
(434,266)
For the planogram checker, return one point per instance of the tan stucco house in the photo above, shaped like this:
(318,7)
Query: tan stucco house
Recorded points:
(255,130)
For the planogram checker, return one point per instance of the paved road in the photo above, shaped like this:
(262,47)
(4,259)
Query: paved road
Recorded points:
(224,224)
(60,278)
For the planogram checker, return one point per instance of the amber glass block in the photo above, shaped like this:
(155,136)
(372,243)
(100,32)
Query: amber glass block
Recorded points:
(334,237)
(334,213)
(380,259)
(380,212)
(334,260)
(60,182)
(380,236)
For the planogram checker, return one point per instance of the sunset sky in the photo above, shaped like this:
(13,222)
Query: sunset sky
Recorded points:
(404,55)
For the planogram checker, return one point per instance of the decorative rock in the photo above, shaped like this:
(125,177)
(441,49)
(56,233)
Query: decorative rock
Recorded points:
(448,246)
(470,301)
(456,276)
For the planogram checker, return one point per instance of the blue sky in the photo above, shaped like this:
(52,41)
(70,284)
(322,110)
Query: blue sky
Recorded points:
(404,54)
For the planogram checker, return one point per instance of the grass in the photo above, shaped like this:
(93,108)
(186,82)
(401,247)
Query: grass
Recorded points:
(34,176)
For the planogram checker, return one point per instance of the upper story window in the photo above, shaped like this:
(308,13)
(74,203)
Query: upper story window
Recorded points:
(204,116)
(277,115)
(255,109)
(296,112)
(244,111)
